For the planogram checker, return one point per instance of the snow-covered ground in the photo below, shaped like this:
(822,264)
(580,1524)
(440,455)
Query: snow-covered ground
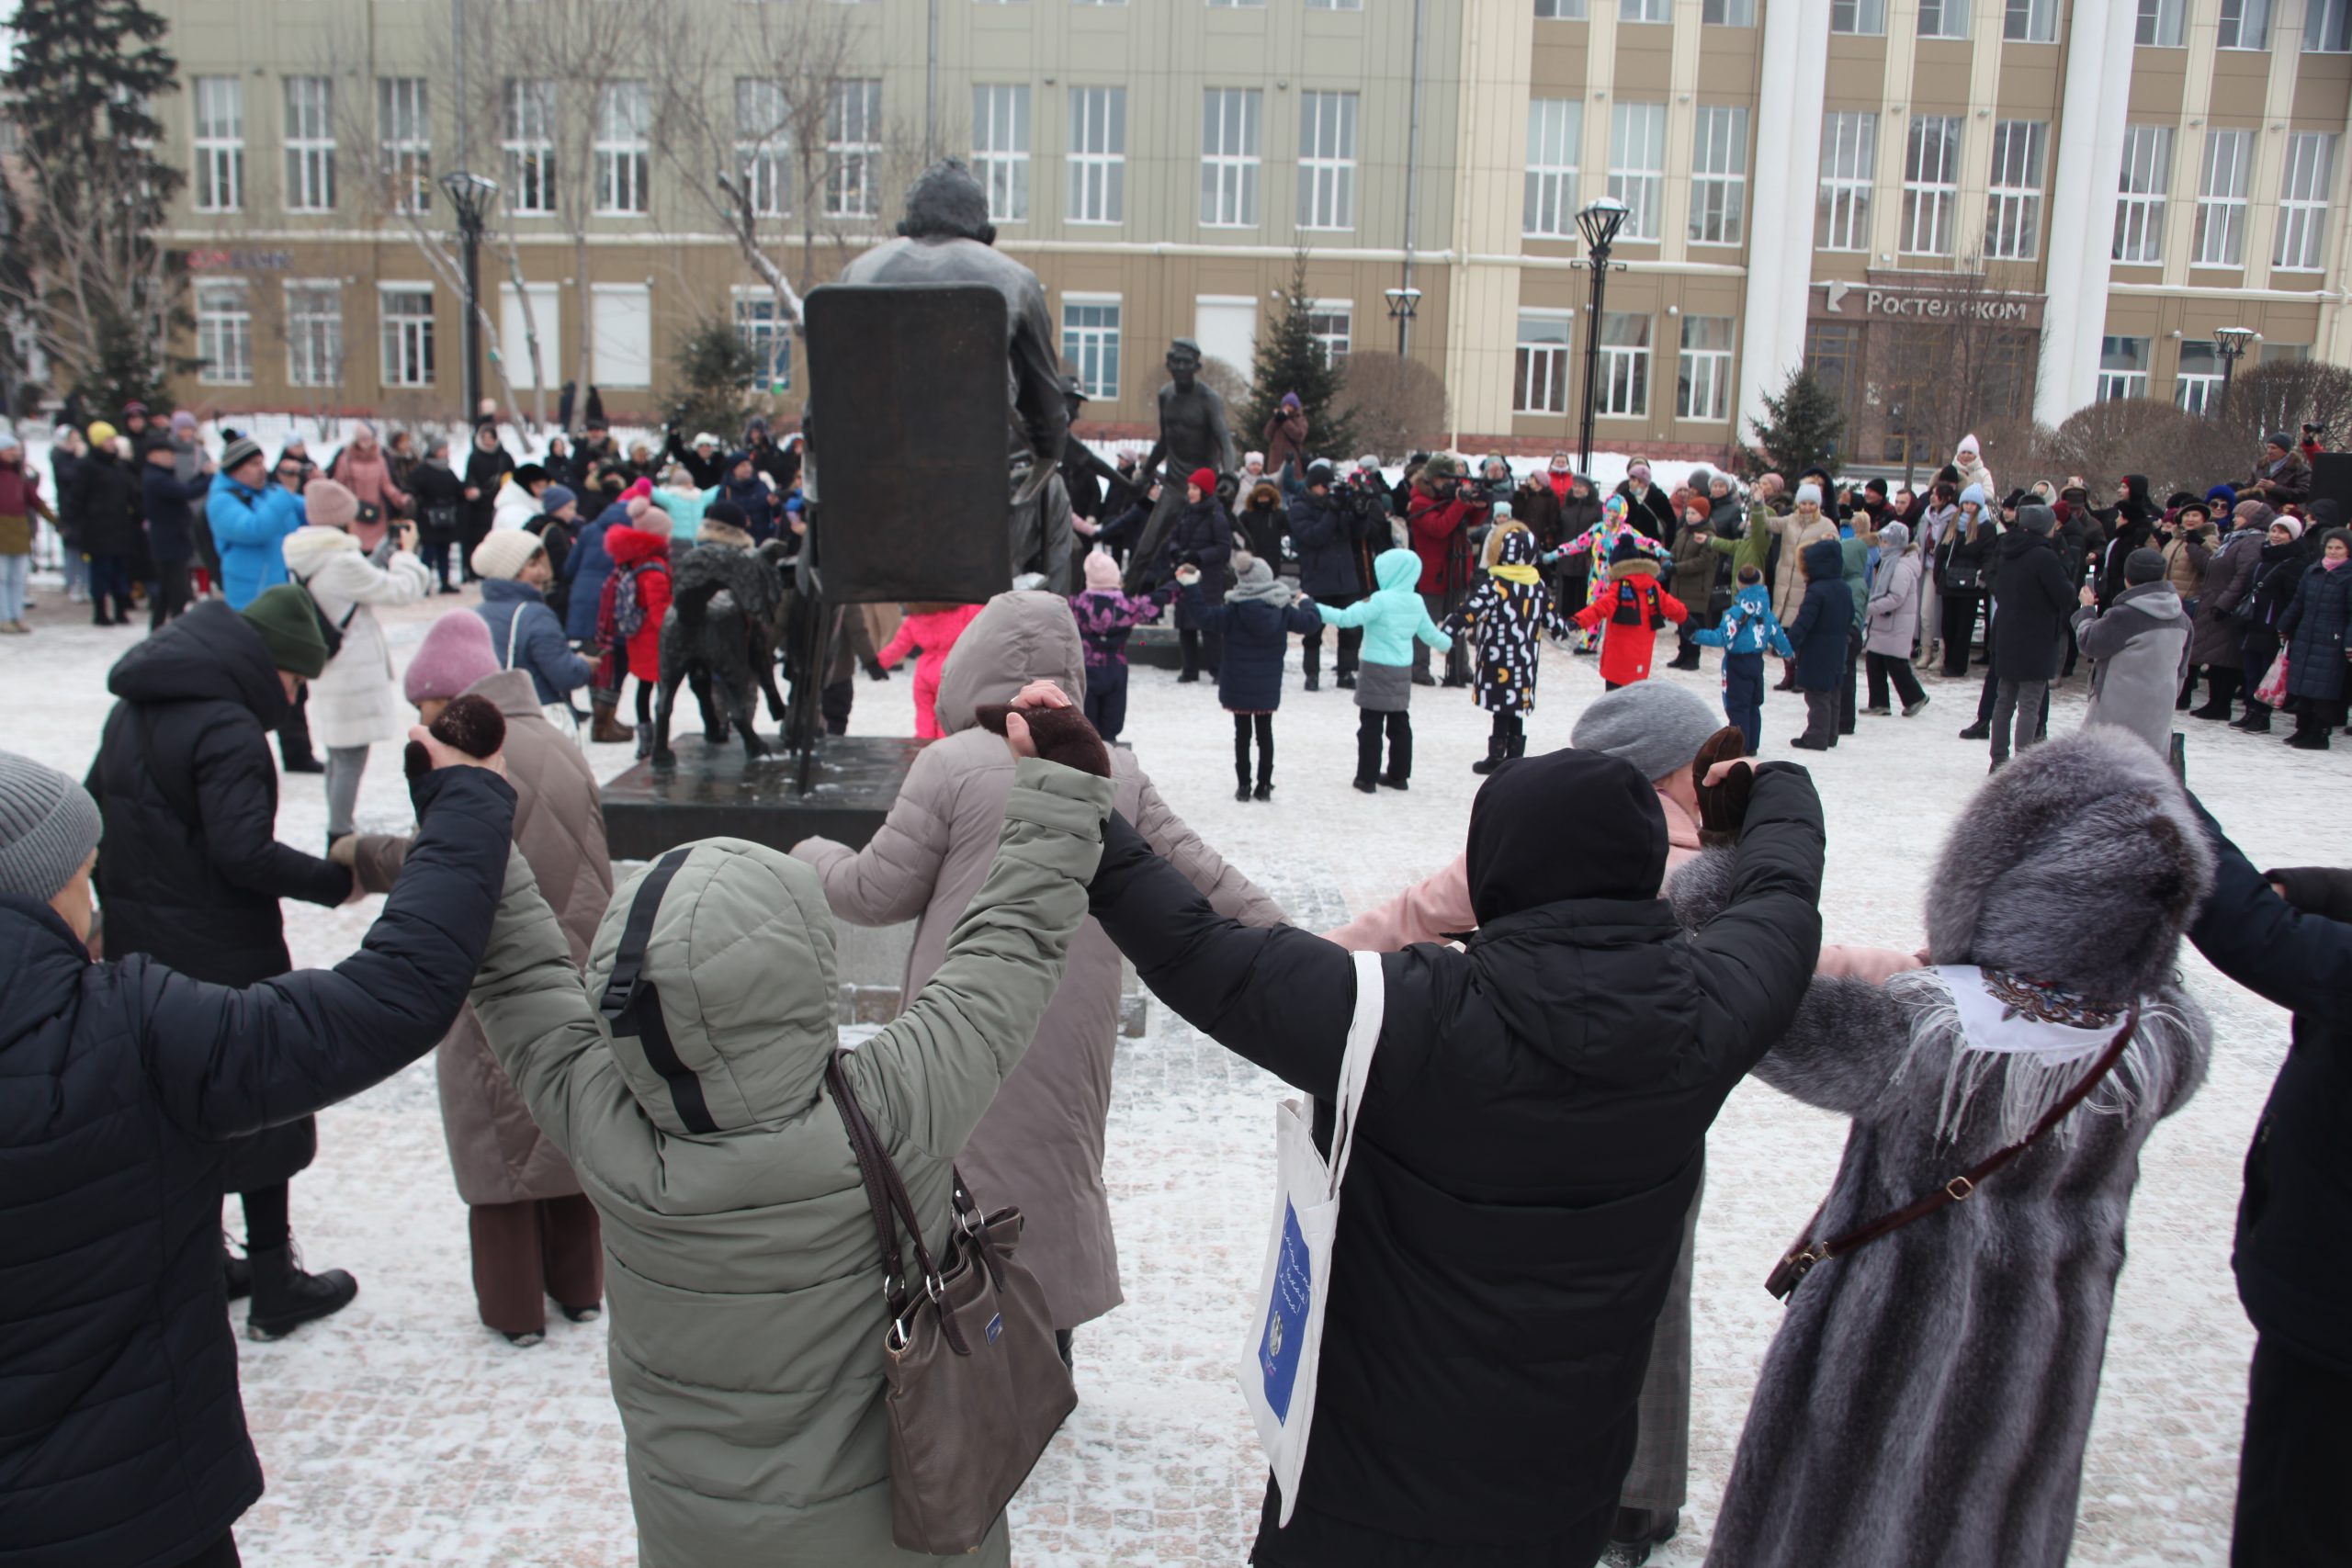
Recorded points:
(404,1432)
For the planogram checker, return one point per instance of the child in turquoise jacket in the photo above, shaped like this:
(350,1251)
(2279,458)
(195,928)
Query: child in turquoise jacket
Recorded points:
(1749,630)
(1392,616)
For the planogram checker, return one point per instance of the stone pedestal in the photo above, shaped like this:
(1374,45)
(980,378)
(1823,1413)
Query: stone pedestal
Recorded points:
(715,793)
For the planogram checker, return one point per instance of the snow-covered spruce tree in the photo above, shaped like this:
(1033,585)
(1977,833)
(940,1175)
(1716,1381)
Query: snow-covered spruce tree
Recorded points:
(1801,427)
(1288,359)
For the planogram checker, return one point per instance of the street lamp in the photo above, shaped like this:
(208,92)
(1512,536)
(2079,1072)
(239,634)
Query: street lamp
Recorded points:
(472,195)
(1599,223)
(2230,343)
(1402,303)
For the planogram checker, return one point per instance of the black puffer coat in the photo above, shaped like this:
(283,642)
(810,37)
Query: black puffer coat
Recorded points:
(1329,533)
(108,493)
(191,871)
(2314,628)
(2034,601)
(123,1442)
(2293,1255)
(1529,1143)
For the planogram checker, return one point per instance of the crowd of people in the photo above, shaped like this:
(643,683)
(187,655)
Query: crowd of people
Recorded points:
(633,1077)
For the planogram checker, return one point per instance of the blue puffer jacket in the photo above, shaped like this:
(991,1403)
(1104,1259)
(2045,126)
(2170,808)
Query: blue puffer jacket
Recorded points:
(517,610)
(1749,625)
(585,568)
(122,1441)
(1824,620)
(249,529)
(1392,616)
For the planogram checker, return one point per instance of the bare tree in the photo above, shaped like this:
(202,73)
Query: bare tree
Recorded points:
(2283,395)
(2103,442)
(1398,405)
(1959,356)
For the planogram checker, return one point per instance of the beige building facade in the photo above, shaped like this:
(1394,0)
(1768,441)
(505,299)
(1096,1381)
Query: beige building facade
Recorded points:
(2086,190)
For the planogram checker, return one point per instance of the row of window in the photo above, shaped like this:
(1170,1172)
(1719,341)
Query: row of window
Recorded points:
(1702,373)
(2162,24)
(2123,369)
(2224,180)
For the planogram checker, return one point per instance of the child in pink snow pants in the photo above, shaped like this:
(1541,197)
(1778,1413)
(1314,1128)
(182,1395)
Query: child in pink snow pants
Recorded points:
(934,628)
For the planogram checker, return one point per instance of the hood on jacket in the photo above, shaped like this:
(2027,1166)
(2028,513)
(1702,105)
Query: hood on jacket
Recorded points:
(1016,638)
(1510,544)
(2159,601)
(2016,542)
(1632,566)
(710,532)
(629,545)
(1824,561)
(1395,569)
(210,654)
(309,547)
(740,963)
(2080,865)
(1518,859)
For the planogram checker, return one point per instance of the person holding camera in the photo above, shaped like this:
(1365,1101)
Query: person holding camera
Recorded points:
(1444,507)
(1330,527)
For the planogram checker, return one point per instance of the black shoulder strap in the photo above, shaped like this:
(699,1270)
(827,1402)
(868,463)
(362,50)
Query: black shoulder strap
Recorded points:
(632,1005)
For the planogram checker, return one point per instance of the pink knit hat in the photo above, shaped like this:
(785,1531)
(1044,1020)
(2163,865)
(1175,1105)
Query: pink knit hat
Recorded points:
(455,653)
(1101,572)
(643,486)
(327,504)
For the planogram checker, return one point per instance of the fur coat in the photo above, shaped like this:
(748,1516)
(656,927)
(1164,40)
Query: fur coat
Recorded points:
(1928,1396)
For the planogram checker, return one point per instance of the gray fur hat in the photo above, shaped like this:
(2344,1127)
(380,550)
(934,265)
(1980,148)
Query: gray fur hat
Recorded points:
(2080,863)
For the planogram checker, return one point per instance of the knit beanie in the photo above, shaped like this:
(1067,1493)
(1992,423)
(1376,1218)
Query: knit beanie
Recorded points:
(49,825)
(726,512)
(1101,571)
(642,487)
(455,653)
(1626,548)
(1812,492)
(327,504)
(555,498)
(1657,726)
(101,433)
(289,629)
(183,420)
(2037,519)
(1204,481)
(2294,525)
(656,520)
(1974,493)
(240,451)
(2280,439)
(2142,566)
(505,553)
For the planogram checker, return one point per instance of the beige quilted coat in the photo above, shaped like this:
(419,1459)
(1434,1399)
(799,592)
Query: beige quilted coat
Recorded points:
(1040,1145)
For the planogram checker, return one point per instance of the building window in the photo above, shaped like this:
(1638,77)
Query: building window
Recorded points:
(2030,22)
(1332,323)
(852,148)
(219,145)
(530,148)
(1645,10)
(1327,160)
(2146,181)
(1930,184)
(1001,149)
(1540,384)
(2013,218)
(763,147)
(310,144)
(1719,175)
(1334,5)
(2197,386)
(762,328)
(1559,10)
(2221,198)
(405,312)
(1637,167)
(1858,15)
(1848,167)
(1229,117)
(1833,352)
(2160,22)
(1234,4)
(1090,344)
(2123,369)
(314,334)
(1702,388)
(1728,13)
(404,143)
(1943,18)
(2327,26)
(2246,24)
(1624,365)
(2302,201)
(1098,154)
(224,334)
(2285,352)
(1554,141)
(622,147)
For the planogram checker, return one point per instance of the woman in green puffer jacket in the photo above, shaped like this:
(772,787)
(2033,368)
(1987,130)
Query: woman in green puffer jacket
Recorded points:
(742,1274)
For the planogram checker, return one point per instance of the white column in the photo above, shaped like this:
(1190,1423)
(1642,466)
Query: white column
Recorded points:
(2081,206)
(1780,245)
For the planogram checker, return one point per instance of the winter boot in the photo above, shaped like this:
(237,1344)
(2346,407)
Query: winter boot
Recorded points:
(1981,730)
(2223,686)
(284,1298)
(1313,682)
(1497,749)
(605,729)
(2256,720)
(1911,708)
(236,1272)
(1266,790)
(1687,659)
(1345,681)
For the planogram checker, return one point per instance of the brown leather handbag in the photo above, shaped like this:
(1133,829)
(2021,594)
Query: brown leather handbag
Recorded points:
(977,1388)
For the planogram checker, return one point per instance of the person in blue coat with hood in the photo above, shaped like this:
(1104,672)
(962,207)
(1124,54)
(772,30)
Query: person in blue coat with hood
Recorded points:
(1256,619)
(250,518)
(1392,616)
(1819,634)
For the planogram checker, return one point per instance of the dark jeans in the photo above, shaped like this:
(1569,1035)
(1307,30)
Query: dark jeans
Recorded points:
(1846,688)
(434,554)
(1959,631)
(2293,1506)
(109,578)
(1106,699)
(294,735)
(171,596)
(1885,667)
(2024,705)
(1351,640)
(1744,696)
(1369,722)
(1263,724)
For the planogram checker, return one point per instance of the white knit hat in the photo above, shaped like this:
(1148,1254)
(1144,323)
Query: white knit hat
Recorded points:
(505,553)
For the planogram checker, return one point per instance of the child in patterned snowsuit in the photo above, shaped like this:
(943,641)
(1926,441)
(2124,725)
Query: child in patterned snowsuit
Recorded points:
(1105,617)
(1505,619)
(1601,542)
(1749,630)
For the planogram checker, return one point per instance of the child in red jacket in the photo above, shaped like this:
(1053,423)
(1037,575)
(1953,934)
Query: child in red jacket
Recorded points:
(934,628)
(1632,605)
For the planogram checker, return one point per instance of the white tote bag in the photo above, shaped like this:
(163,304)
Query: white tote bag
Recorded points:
(1279,1364)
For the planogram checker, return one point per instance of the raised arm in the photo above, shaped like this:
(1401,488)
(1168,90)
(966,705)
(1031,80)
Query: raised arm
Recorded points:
(2300,961)
(1766,939)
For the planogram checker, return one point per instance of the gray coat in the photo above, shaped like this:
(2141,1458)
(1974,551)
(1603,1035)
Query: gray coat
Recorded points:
(1927,1397)
(1040,1147)
(2139,654)
(2228,577)
(1892,616)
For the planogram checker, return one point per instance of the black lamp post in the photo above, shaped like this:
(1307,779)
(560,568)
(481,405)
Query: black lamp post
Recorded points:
(472,195)
(2230,343)
(1402,303)
(1600,223)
